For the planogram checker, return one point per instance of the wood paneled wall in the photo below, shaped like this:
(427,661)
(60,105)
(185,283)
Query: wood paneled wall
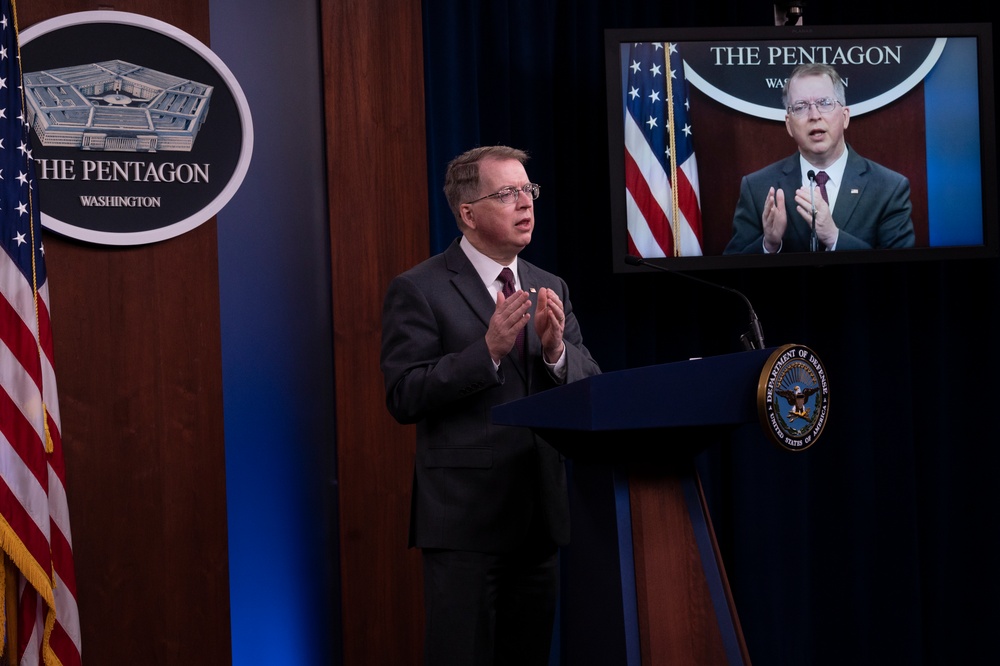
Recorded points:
(138,361)
(377,181)
(138,364)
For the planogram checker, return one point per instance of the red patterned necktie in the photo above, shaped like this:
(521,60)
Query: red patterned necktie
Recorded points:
(507,278)
(822,178)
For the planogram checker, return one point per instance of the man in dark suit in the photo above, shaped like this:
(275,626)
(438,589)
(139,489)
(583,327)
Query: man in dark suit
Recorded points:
(857,204)
(489,506)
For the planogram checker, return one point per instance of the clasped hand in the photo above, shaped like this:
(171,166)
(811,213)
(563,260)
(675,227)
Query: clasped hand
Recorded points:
(775,220)
(511,315)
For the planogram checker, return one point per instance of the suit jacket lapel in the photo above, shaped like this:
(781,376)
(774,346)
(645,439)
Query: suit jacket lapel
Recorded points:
(850,190)
(467,283)
(791,180)
(529,282)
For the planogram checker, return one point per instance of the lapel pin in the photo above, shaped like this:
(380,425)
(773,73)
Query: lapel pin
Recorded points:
(854,190)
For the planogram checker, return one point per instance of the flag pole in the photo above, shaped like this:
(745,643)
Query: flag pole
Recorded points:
(9,647)
(672,143)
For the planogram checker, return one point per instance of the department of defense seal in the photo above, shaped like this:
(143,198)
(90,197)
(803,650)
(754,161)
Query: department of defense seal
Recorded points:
(793,397)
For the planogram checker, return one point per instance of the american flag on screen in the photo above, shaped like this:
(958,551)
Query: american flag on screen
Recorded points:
(40,624)
(663,221)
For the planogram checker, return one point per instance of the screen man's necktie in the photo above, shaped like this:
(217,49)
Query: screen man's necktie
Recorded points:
(822,178)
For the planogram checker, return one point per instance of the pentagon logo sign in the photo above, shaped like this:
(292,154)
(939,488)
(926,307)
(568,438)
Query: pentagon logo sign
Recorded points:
(139,132)
(749,77)
(793,397)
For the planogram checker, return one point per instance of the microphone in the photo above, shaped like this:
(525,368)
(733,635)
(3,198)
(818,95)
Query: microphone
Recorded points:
(813,243)
(752,339)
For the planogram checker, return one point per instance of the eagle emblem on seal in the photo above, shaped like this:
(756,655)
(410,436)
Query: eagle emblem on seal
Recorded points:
(796,398)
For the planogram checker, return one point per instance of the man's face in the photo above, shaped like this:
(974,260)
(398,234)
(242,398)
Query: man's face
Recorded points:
(820,137)
(499,230)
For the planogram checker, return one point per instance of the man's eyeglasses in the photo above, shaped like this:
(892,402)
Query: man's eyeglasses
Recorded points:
(824,105)
(509,194)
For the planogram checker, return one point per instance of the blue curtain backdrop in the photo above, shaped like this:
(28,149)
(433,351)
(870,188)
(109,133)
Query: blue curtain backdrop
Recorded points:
(879,544)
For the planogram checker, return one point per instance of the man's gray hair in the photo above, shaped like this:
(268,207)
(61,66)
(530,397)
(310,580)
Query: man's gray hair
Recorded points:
(815,69)
(461,180)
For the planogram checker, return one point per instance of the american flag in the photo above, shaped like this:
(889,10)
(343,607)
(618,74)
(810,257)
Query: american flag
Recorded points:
(663,221)
(37,580)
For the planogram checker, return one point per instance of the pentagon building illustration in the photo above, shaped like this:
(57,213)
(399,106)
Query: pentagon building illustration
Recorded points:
(115,106)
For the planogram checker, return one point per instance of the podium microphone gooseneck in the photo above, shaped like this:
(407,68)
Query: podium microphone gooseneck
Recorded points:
(813,243)
(752,339)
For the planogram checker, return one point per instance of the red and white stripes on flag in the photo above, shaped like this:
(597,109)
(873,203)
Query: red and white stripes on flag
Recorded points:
(38,604)
(661,174)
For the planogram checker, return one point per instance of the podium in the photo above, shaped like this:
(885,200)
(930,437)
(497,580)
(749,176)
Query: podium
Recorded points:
(651,422)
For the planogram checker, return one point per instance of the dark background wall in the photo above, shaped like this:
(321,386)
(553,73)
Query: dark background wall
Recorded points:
(875,546)
(259,487)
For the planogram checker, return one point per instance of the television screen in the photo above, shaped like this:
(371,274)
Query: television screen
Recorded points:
(705,153)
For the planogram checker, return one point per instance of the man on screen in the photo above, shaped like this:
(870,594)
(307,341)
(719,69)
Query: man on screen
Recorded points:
(825,197)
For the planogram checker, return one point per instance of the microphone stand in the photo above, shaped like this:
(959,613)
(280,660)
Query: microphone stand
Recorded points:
(813,243)
(752,339)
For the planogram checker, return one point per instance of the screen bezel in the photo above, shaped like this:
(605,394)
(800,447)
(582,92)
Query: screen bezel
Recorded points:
(614,38)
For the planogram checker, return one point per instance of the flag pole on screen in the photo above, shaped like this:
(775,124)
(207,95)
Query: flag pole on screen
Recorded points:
(41,625)
(672,150)
(663,203)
